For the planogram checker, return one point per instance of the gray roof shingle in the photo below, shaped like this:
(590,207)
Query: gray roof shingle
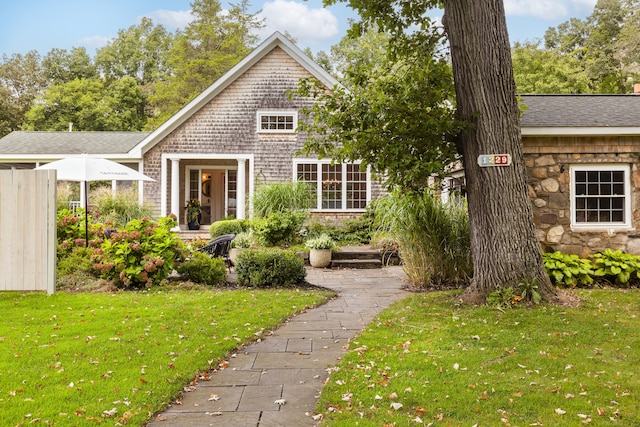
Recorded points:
(55,143)
(581,111)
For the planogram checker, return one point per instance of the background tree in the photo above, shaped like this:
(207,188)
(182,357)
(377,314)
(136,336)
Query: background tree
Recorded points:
(141,51)
(21,80)
(545,71)
(209,46)
(91,105)
(606,43)
(60,66)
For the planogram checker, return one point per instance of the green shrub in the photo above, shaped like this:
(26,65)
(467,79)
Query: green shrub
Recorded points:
(282,197)
(70,226)
(278,227)
(568,270)
(616,267)
(269,267)
(201,268)
(243,240)
(228,226)
(433,238)
(143,254)
(349,232)
(77,258)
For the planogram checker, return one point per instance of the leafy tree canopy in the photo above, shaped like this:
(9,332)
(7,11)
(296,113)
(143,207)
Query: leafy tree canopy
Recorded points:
(606,42)
(395,111)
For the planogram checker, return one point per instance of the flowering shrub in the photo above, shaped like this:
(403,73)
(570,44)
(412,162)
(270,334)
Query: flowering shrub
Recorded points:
(143,254)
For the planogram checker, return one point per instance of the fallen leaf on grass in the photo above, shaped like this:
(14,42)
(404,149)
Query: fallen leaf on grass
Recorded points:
(396,405)
(560,411)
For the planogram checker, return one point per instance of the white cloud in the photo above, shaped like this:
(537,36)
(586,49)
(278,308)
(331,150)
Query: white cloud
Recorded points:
(94,42)
(299,20)
(548,9)
(171,19)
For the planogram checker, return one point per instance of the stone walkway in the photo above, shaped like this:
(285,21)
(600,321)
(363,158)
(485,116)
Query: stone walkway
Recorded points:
(291,365)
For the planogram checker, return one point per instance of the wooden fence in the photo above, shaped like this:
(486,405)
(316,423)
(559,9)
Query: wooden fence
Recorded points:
(27,230)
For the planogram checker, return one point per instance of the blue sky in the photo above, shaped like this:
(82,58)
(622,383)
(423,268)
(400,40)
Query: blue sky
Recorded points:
(46,24)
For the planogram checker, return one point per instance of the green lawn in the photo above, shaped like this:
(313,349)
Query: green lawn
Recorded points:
(427,361)
(86,358)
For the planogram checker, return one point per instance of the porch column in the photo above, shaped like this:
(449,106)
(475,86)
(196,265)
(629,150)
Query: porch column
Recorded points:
(175,188)
(240,190)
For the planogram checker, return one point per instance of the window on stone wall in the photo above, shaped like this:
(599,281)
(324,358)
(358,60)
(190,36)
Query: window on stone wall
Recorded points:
(277,121)
(600,196)
(338,187)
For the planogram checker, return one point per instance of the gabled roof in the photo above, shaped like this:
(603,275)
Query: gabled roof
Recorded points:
(277,39)
(581,114)
(54,145)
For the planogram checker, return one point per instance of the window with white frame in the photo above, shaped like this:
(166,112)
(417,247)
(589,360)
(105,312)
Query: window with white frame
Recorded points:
(343,186)
(277,121)
(600,196)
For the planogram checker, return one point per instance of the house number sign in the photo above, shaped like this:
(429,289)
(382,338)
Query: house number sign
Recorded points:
(485,160)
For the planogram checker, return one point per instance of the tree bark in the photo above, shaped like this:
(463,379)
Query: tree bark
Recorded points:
(503,237)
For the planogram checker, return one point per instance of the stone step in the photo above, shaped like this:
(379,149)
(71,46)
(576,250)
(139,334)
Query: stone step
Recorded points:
(356,263)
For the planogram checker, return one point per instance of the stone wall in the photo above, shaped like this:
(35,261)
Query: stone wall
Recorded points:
(548,177)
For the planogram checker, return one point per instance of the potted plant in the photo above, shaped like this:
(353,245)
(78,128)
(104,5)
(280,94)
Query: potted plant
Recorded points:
(320,250)
(194,213)
(242,241)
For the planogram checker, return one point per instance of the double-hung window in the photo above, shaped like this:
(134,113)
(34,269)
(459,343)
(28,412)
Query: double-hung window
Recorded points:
(600,196)
(342,186)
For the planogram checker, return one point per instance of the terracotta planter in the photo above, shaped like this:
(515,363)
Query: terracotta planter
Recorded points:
(320,258)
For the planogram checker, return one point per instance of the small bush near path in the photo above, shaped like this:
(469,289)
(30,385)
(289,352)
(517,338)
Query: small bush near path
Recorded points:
(270,267)
(427,361)
(117,358)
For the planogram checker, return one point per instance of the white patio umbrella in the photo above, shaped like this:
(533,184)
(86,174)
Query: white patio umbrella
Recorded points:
(84,169)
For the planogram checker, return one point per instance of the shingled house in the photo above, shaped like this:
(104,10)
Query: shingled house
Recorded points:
(238,133)
(581,153)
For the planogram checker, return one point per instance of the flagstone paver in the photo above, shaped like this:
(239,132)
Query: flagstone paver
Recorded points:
(277,381)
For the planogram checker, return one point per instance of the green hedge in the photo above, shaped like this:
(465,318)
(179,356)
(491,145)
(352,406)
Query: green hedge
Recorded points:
(269,267)
(228,226)
(201,268)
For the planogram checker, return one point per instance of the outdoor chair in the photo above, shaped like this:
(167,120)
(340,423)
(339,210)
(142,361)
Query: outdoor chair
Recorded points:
(219,247)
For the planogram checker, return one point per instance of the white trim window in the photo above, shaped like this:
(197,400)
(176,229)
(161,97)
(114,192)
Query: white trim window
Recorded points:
(277,121)
(600,196)
(344,186)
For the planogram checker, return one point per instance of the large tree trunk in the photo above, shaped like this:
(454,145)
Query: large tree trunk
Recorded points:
(503,239)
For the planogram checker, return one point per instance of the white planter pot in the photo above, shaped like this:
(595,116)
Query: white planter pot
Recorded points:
(233,255)
(320,258)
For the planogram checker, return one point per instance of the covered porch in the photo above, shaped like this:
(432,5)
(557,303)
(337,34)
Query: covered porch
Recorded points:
(218,181)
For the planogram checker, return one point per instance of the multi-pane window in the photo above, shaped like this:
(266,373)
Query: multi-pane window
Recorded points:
(277,122)
(331,186)
(340,186)
(356,187)
(600,195)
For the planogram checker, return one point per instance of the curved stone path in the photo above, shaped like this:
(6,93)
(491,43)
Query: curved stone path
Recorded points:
(291,365)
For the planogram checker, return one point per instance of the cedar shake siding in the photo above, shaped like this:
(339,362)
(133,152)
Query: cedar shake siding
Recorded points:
(227,124)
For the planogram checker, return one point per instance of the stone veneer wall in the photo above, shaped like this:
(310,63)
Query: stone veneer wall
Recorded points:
(548,162)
